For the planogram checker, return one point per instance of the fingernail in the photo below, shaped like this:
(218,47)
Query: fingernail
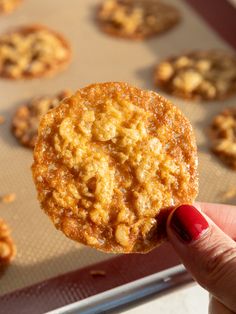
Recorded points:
(188,223)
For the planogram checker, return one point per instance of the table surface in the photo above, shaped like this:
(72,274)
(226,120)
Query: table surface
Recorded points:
(185,301)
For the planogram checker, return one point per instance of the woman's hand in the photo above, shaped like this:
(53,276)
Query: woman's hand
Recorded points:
(206,246)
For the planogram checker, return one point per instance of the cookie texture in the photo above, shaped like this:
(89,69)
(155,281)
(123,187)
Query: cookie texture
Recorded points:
(202,75)
(7,6)
(32,51)
(223,135)
(109,163)
(7,247)
(26,119)
(136,19)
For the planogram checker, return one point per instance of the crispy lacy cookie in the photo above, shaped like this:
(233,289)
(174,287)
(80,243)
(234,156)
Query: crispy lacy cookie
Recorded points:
(26,119)
(223,134)
(108,164)
(136,19)
(7,247)
(7,6)
(32,51)
(203,75)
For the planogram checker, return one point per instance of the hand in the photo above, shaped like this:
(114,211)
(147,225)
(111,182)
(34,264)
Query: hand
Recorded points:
(205,244)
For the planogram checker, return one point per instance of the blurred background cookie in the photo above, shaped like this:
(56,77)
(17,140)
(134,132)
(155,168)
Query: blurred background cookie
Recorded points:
(223,135)
(136,19)
(26,119)
(203,75)
(7,6)
(109,163)
(32,51)
(7,247)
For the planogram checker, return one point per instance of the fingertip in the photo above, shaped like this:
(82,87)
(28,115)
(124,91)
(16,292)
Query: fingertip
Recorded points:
(187,223)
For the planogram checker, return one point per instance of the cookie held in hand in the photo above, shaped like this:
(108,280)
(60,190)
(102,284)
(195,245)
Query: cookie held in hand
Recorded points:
(108,164)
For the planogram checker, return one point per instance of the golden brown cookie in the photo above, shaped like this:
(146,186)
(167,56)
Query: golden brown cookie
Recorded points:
(136,19)
(223,135)
(202,75)
(7,247)
(7,6)
(108,164)
(26,119)
(32,51)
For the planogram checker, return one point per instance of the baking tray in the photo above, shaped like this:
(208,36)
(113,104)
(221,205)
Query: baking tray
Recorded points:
(51,271)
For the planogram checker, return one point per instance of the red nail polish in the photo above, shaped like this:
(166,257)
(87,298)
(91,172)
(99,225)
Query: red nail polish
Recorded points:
(188,223)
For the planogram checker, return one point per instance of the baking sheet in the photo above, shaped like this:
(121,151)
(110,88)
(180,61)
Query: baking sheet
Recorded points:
(44,252)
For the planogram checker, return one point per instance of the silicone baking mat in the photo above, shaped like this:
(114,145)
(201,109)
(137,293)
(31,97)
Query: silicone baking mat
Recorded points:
(43,252)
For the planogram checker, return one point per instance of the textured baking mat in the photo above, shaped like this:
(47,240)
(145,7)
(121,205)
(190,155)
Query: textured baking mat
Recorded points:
(43,252)
(88,281)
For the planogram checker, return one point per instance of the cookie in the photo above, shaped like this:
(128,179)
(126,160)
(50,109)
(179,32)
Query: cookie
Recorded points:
(136,19)
(223,135)
(7,6)
(26,119)
(202,75)
(109,163)
(32,51)
(7,247)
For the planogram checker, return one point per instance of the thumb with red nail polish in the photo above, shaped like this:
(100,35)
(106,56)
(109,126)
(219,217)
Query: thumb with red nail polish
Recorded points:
(207,252)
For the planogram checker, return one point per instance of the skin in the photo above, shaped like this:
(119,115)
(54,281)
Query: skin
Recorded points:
(211,259)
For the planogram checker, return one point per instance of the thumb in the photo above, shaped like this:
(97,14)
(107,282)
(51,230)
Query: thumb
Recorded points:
(206,251)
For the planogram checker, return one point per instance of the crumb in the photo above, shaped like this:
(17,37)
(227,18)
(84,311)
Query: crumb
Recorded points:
(8,198)
(229,194)
(97,273)
(2,119)
(7,6)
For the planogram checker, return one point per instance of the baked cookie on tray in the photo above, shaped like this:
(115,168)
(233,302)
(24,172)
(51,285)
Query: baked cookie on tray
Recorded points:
(7,6)
(7,247)
(223,136)
(26,119)
(202,75)
(32,51)
(109,163)
(136,19)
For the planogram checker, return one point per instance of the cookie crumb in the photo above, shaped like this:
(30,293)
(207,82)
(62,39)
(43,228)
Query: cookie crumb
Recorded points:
(7,6)
(2,119)
(229,194)
(97,273)
(8,198)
